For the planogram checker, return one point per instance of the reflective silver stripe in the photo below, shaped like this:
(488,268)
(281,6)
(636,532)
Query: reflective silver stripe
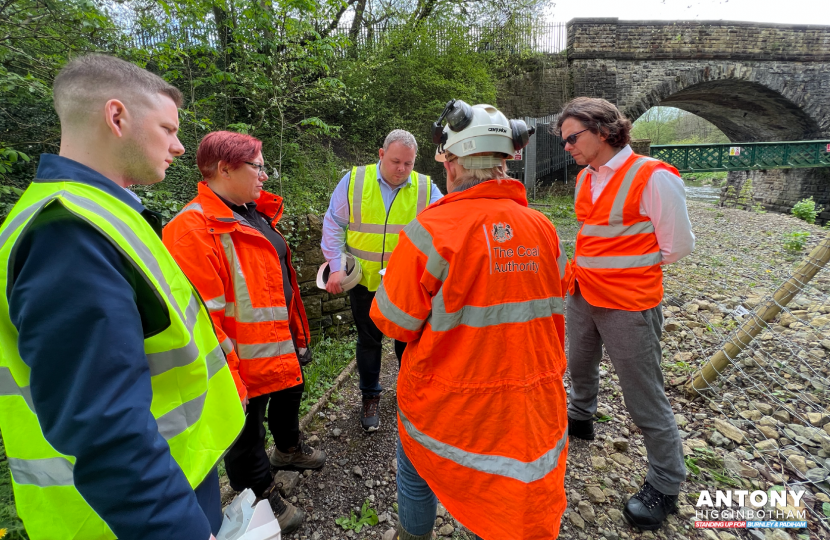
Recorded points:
(616,215)
(368,255)
(215,360)
(46,472)
(132,239)
(244,309)
(483,316)
(227,345)
(182,417)
(164,361)
(216,304)
(18,220)
(583,174)
(252,351)
(394,313)
(376,229)
(192,206)
(612,231)
(420,237)
(359,176)
(230,309)
(523,471)
(9,387)
(562,260)
(618,262)
(423,193)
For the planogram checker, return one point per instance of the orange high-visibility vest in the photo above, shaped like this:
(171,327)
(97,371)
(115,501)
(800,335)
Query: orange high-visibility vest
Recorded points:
(474,288)
(238,274)
(617,258)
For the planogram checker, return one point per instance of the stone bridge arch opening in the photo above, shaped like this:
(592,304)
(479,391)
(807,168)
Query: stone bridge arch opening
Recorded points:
(744,110)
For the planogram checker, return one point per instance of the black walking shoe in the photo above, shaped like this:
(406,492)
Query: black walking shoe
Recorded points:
(369,418)
(581,429)
(649,508)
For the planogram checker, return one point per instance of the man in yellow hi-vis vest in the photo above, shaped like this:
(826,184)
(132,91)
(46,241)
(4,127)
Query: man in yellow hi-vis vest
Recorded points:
(369,207)
(116,402)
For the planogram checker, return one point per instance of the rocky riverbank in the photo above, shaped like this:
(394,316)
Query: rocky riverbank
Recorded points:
(763,426)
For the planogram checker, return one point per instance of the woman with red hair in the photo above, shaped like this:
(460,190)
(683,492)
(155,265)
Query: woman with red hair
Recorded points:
(227,243)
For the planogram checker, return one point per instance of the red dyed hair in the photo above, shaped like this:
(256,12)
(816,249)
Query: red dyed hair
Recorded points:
(232,148)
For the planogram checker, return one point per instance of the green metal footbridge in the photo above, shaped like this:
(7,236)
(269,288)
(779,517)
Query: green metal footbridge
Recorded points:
(744,156)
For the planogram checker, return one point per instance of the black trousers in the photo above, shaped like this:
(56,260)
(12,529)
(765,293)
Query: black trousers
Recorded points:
(369,342)
(247,462)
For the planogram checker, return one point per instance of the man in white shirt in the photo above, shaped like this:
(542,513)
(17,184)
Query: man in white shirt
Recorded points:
(633,219)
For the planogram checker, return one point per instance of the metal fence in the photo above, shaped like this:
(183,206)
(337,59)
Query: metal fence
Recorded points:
(543,157)
(522,36)
(744,156)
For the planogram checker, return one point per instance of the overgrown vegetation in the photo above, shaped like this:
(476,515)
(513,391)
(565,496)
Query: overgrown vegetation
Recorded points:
(331,356)
(8,514)
(795,241)
(320,82)
(807,210)
(668,125)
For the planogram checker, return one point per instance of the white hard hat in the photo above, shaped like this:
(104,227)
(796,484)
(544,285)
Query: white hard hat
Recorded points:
(476,130)
(348,264)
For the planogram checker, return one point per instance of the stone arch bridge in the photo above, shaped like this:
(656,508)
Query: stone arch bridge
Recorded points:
(755,82)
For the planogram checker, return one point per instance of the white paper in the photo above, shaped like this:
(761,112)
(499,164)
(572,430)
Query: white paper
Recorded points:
(382,271)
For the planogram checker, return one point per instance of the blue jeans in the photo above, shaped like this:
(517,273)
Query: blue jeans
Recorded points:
(417,504)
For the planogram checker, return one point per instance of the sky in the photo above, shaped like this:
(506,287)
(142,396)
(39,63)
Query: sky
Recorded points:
(769,11)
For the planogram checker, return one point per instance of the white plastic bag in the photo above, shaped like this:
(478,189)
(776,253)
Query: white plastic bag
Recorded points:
(244,521)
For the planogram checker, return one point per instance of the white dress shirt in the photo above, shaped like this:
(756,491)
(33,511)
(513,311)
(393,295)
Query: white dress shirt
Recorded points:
(663,202)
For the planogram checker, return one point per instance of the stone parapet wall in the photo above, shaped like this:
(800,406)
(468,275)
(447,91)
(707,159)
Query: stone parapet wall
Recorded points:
(327,313)
(778,190)
(696,40)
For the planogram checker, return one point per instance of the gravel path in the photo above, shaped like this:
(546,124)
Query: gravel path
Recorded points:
(766,425)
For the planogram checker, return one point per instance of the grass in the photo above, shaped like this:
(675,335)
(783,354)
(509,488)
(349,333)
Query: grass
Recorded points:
(331,355)
(558,205)
(8,515)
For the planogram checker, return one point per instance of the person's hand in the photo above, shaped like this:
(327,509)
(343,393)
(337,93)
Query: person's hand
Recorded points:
(304,356)
(245,404)
(333,284)
(212,537)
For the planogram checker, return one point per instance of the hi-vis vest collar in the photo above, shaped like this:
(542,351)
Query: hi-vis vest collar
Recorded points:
(363,223)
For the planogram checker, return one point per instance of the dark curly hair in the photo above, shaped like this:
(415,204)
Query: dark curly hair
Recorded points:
(598,115)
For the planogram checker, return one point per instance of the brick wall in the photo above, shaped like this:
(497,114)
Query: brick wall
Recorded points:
(696,40)
(327,313)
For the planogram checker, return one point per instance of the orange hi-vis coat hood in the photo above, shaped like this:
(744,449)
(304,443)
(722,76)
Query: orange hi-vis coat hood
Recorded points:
(238,274)
(474,286)
(617,257)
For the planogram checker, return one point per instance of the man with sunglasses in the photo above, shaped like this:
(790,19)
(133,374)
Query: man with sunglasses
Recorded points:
(369,207)
(633,219)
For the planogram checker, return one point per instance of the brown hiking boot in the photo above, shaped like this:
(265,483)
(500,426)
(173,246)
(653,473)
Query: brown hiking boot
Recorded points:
(370,418)
(301,456)
(289,516)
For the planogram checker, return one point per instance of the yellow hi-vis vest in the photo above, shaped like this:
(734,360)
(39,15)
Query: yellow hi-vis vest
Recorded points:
(372,234)
(195,402)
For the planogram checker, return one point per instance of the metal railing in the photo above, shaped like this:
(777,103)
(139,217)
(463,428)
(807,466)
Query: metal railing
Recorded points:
(744,156)
(542,157)
(521,36)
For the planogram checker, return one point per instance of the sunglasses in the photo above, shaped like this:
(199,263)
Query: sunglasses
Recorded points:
(571,139)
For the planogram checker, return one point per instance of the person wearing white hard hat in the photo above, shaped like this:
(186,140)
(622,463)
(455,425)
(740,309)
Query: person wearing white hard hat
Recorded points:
(369,207)
(475,288)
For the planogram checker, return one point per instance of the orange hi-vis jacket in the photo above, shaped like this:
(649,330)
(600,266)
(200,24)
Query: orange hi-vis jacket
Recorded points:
(617,258)
(474,288)
(238,274)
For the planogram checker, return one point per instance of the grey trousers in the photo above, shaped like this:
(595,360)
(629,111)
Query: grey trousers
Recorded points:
(632,339)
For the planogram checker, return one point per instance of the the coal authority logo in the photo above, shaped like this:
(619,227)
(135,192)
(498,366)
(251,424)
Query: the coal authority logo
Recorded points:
(502,232)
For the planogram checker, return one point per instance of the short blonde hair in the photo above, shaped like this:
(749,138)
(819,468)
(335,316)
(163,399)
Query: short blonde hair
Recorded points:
(89,81)
(473,177)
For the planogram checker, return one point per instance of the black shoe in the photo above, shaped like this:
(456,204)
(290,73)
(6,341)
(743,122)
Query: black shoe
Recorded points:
(369,418)
(581,429)
(649,508)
